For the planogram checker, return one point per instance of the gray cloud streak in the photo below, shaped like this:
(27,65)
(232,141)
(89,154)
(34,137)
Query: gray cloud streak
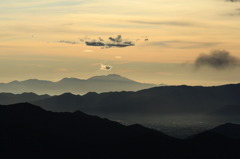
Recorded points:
(217,59)
(68,42)
(173,23)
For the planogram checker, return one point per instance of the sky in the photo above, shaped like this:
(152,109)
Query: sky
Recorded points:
(189,42)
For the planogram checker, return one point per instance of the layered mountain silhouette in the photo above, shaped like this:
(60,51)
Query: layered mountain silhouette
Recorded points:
(165,106)
(111,82)
(159,100)
(30,131)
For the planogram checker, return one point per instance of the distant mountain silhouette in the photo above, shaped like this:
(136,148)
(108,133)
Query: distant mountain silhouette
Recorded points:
(29,130)
(111,82)
(159,100)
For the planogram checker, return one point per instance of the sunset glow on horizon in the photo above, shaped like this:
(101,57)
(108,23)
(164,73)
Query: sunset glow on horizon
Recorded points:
(42,39)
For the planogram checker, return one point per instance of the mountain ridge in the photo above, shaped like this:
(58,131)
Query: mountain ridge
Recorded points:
(10,98)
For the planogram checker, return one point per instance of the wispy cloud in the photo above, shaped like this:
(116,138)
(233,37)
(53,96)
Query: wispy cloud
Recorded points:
(88,51)
(68,42)
(118,57)
(218,59)
(62,70)
(173,23)
(41,4)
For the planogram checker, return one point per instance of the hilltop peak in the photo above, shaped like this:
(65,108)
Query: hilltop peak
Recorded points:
(34,81)
(69,79)
(67,94)
(111,77)
(14,82)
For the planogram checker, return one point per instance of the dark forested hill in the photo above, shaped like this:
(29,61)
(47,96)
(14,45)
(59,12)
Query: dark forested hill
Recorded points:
(29,131)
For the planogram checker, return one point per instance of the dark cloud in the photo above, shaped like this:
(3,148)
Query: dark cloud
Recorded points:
(117,39)
(174,23)
(114,42)
(105,67)
(123,44)
(94,43)
(183,44)
(218,59)
(68,42)
(232,0)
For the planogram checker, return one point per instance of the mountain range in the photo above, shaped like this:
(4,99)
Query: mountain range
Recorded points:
(111,82)
(220,102)
(30,131)
(164,100)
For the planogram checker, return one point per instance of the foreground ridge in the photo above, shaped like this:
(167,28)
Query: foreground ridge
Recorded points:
(31,131)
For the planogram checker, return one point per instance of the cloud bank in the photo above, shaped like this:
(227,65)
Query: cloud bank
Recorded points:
(217,59)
